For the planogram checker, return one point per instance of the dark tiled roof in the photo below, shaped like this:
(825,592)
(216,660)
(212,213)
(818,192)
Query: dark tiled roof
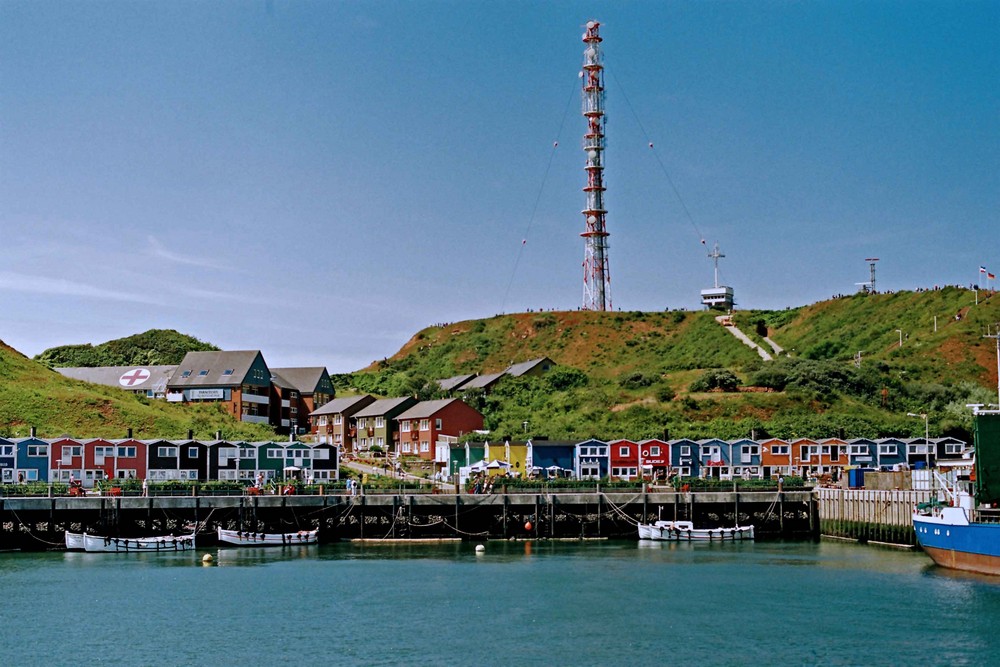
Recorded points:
(215,365)
(344,404)
(304,380)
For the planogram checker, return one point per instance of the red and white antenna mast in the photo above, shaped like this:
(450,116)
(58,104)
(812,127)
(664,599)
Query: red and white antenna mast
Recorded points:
(596,278)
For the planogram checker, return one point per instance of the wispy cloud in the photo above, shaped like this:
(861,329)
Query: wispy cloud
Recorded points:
(157,249)
(22,282)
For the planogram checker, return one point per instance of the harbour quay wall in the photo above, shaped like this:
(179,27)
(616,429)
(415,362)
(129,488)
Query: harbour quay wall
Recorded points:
(868,515)
(39,523)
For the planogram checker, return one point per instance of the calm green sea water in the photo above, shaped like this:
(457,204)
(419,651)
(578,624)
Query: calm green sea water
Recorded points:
(599,603)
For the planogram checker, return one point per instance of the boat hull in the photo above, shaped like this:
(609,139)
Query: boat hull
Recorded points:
(958,544)
(669,531)
(245,539)
(74,541)
(97,544)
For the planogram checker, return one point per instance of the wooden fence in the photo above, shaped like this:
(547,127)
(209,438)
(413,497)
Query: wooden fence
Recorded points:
(870,515)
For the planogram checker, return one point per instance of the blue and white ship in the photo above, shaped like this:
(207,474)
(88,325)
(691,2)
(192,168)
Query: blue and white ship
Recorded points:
(962,530)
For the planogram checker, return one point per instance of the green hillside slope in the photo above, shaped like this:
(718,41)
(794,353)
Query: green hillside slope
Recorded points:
(156,347)
(641,375)
(33,395)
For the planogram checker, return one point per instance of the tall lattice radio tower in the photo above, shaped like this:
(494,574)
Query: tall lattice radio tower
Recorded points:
(596,277)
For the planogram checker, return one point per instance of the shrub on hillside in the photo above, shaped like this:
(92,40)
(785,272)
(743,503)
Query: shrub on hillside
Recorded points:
(717,378)
(637,380)
(562,378)
(772,377)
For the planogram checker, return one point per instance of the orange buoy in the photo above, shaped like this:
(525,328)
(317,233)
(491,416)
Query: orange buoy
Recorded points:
(527,526)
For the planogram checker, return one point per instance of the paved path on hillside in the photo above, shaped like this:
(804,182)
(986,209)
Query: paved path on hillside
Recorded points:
(778,350)
(733,329)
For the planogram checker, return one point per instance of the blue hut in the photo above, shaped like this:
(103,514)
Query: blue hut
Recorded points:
(862,452)
(891,453)
(32,459)
(8,461)
(684,457)
(715,457)
(550,458)
(593,460)
(745,458)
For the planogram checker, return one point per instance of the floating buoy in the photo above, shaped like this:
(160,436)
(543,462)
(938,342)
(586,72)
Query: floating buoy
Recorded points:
(527,526)
(207,558)
(480,548)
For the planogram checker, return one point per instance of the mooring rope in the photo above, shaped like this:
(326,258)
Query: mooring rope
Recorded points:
(462,532)
(32,535)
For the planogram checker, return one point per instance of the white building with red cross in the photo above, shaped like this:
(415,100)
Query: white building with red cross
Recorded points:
(149,381)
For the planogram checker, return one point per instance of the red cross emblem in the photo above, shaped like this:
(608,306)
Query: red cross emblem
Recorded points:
(134,377)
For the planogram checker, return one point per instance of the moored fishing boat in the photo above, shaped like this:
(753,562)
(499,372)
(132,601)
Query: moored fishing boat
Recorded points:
(98,544)
(249,539)
(684,531)
(962,530)
(74,541)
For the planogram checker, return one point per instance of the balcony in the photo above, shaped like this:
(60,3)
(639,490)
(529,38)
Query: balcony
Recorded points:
(255,419)
(254,398)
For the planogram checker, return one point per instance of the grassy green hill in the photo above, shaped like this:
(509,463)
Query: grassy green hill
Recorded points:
(640,375)
(156,347)
(620,375)
(33,395)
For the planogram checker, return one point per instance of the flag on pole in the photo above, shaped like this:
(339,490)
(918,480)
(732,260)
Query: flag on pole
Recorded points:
(982,269)
(990,276)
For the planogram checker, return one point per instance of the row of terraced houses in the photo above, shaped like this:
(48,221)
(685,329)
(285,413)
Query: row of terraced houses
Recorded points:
(708,458)
(95,459)
(92,460)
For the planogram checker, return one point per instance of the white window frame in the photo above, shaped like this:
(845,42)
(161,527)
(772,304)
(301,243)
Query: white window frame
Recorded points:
(404,426)
(623,450)
(887,450)
(654,450)
(166,452)
(425,424)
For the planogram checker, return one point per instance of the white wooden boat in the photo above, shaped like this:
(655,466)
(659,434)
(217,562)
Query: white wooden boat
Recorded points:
(247,539)
(74,541)
(684,531)
(98,544)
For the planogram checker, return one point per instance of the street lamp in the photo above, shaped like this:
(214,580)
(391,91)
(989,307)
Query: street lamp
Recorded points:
(927,440)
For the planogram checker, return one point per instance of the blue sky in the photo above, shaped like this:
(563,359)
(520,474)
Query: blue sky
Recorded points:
(320,180)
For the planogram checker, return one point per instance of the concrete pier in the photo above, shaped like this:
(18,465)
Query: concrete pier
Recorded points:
(870,515)
(39,523)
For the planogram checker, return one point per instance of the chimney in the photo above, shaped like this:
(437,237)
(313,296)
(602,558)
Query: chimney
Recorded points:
(218,435)
(666,435)
(128,433)
(190,434)
(32,431)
